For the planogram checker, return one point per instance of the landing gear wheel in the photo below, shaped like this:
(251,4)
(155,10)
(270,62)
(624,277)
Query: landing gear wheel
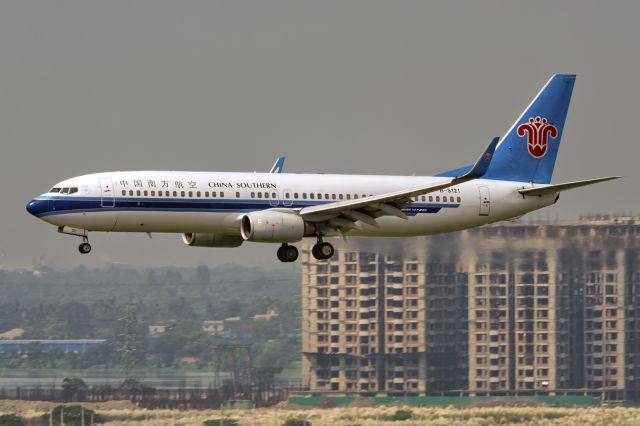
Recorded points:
(84,248)
(322,251)
(287,253)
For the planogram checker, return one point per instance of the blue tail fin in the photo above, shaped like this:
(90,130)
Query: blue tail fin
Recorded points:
(528,151)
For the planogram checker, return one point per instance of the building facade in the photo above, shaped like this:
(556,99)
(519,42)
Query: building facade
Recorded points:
(506,308)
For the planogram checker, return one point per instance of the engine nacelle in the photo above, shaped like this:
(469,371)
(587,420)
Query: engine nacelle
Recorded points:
(274,227)
(212,240)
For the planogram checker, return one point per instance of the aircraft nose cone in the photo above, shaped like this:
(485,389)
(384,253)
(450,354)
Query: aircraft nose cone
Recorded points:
(35,207)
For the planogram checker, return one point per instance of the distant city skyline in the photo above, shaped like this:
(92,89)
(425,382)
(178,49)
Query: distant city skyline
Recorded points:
(360,87)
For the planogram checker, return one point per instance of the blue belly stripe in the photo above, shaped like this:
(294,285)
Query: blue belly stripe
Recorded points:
(67,205)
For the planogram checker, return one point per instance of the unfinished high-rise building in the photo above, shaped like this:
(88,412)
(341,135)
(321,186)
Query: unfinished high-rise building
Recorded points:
(374,323)
(522,308)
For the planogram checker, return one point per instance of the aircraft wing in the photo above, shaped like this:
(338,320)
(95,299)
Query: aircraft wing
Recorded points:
(345,214)
(552,189)
(278,165)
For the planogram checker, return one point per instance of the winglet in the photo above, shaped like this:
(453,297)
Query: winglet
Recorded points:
(482,165)
(278,165)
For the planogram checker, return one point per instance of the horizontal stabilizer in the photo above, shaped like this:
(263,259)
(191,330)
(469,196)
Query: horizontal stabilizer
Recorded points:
(552,189)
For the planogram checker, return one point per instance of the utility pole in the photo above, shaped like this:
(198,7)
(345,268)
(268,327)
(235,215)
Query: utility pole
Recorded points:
(129,346)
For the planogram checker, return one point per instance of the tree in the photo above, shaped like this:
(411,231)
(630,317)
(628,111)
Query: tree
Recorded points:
(74,389)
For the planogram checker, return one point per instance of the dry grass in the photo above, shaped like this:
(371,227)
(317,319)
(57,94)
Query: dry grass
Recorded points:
(123,414)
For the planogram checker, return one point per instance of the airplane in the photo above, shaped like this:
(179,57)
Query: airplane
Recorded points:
(226,209)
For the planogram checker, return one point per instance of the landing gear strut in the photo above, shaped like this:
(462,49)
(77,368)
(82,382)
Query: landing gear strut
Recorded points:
(322,250)
(85,247)
(287,253)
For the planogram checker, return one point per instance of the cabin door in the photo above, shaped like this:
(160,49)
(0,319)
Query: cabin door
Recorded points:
(485,200)
(106,192)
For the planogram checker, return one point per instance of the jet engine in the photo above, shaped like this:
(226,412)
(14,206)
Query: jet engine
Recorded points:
(212,240)
(274,227)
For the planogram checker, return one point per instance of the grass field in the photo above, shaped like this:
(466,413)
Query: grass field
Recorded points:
(124,414)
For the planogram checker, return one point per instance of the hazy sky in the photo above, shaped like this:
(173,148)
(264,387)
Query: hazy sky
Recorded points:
(393,87)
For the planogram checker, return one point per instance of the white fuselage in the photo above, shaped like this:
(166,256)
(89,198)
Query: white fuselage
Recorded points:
(212,202)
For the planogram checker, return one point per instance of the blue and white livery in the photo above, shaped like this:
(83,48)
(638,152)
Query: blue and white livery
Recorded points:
(218,209)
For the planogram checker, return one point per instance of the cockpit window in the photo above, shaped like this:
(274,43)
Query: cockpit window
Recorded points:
(54,190)
(64,191)
(73,190)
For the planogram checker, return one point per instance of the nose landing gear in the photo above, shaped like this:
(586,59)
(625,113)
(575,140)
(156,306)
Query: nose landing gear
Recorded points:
(85,247)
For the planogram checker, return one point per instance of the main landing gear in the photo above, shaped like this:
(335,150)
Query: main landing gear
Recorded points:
(287,253)
(322,250)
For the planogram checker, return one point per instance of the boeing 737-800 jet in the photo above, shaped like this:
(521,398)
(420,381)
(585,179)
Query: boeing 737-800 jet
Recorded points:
(212,209)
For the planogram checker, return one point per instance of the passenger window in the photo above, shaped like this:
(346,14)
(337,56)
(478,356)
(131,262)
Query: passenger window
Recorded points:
(167,193)
(182,193)
(159,193)
(221,194)
(190,194)
(138,193)
(304,195)
(146,193)
(319,196)
(348,196)
(131,193)
(259,194)
(213,194)
(326,196)
(266,195)
(198,194)
(437,199)
(459,199)
(153,193)
(424,198)
(175,193)
(333,196)
(237,195)
(364,195)
(295,195)
(287,195)
(312,195)
(355,196)
(206,194)
(340,196)
(430,198)
(124,192)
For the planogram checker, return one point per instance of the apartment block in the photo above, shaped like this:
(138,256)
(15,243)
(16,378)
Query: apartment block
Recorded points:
(516,307)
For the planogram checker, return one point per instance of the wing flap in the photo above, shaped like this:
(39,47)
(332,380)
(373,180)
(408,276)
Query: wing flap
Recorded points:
(552,189)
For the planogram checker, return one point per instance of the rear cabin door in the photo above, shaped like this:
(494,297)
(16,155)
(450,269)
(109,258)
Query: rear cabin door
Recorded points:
(485,200)
(106,190)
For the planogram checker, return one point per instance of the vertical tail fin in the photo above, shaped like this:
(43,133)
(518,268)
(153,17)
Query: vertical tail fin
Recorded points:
(528,151)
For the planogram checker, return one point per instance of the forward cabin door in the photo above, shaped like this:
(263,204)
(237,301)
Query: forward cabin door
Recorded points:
(485,200)
(106,192)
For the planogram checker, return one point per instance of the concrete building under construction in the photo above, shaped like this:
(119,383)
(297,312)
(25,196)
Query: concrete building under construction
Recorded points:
(516,307)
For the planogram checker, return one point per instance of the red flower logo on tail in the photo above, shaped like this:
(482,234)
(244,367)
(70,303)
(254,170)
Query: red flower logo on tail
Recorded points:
(537,130)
